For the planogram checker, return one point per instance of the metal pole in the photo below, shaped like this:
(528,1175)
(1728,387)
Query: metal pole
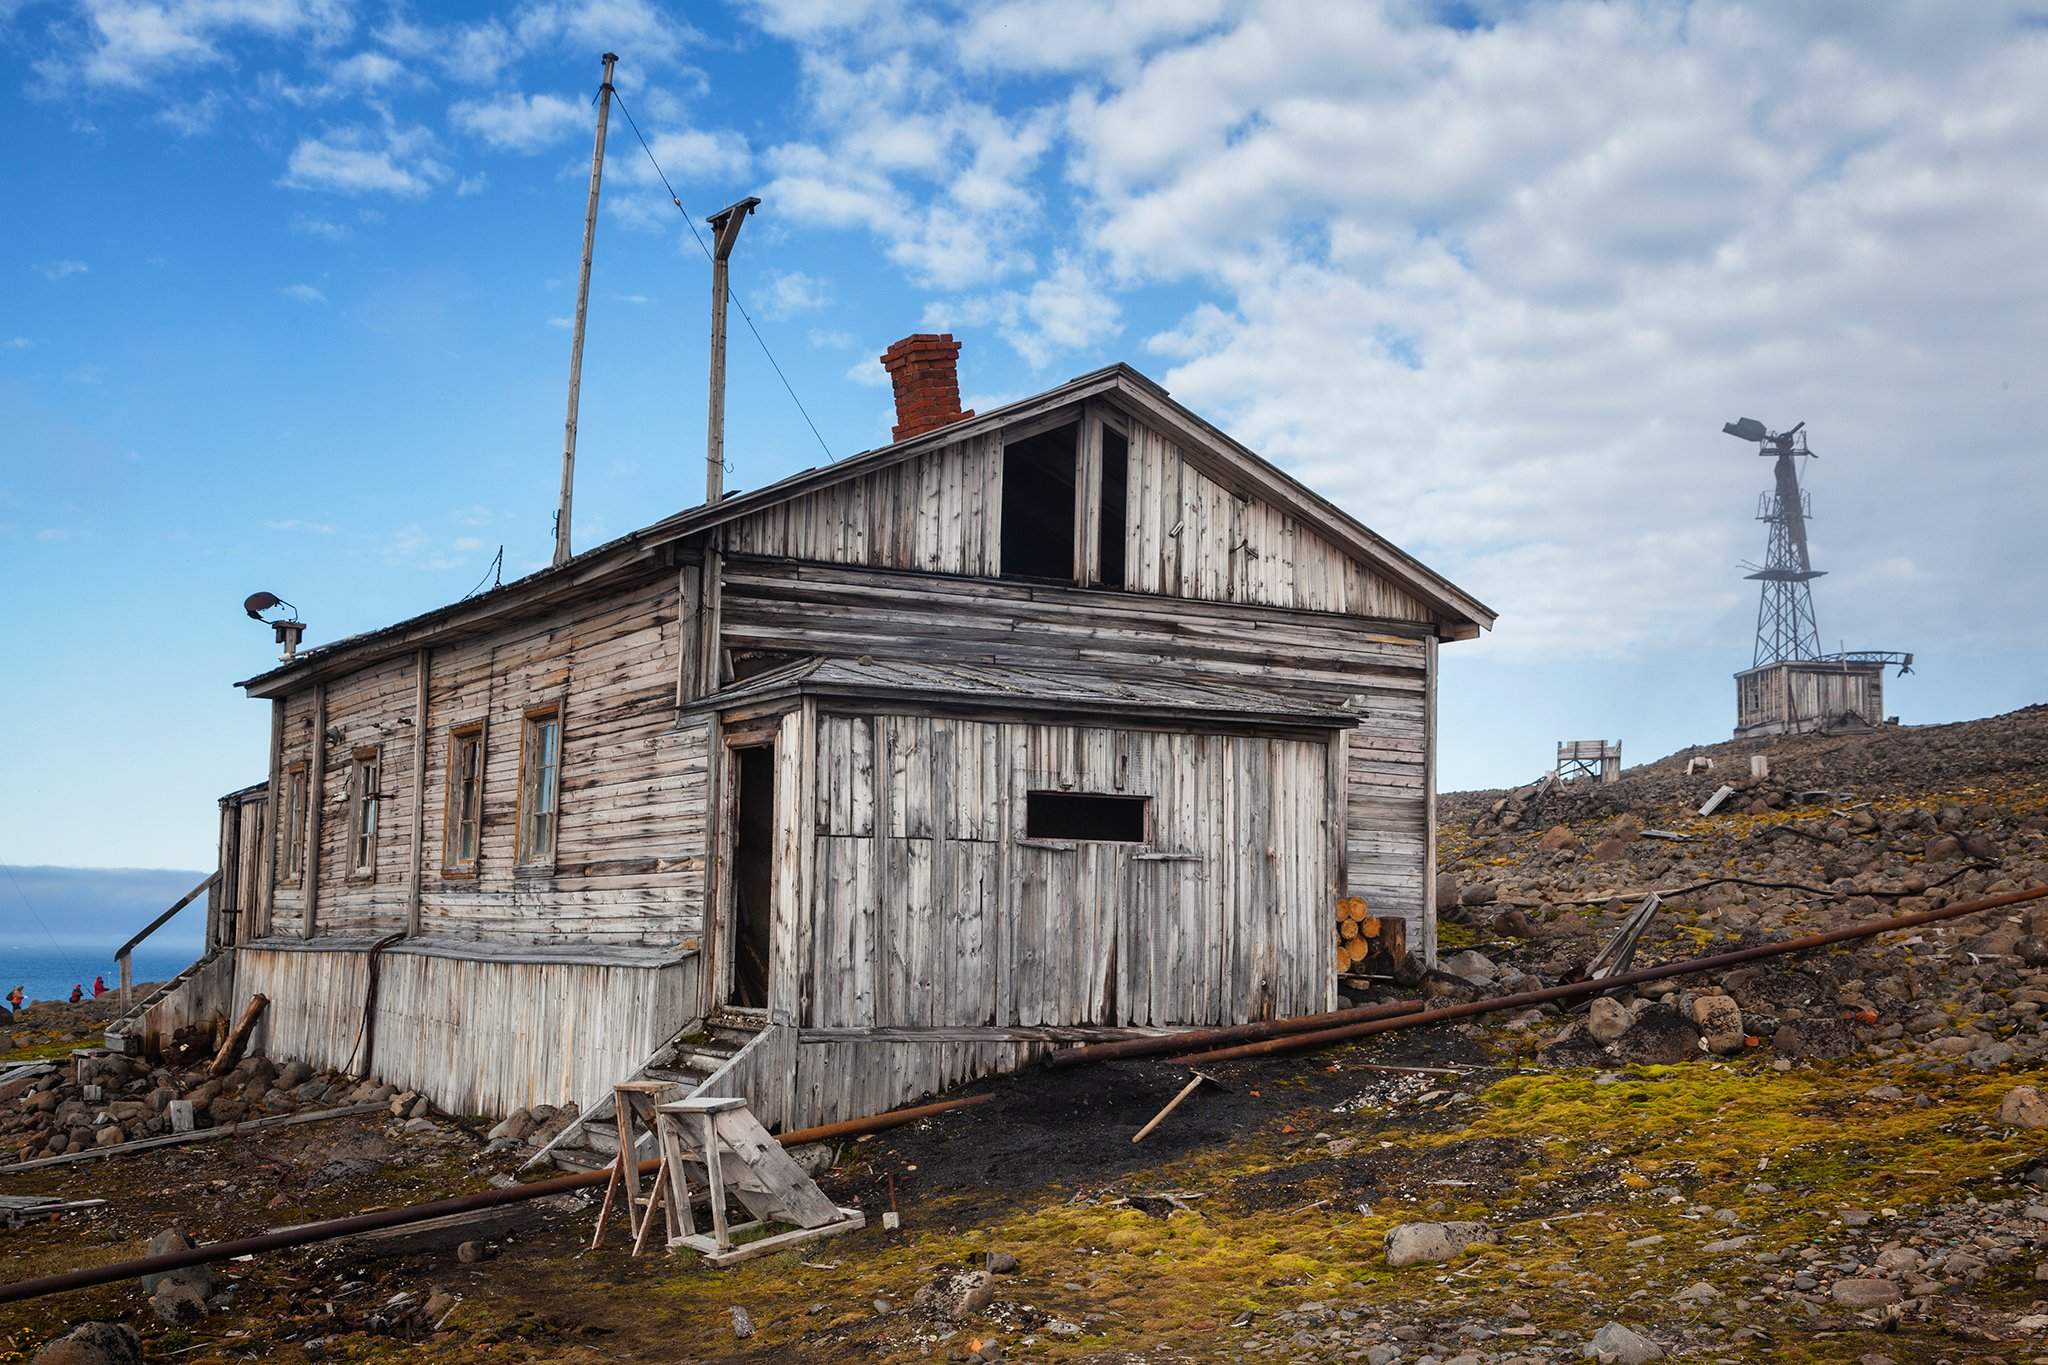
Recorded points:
(604,109)
(419,1213)
(1868,928)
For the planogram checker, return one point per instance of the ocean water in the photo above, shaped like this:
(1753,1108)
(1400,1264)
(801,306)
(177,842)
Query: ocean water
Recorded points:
(48,972)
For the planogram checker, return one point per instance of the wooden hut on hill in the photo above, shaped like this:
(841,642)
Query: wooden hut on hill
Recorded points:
(1066,719)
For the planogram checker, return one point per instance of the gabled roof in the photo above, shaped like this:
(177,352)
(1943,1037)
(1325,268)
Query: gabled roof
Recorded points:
(994,686)
(1119,383)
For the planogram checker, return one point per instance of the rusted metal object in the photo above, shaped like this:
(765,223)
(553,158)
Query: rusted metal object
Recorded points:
(1870,928)
(332,1228)
(1229,1033)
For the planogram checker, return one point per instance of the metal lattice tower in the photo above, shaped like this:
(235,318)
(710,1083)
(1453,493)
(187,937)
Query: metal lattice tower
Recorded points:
(1785,625)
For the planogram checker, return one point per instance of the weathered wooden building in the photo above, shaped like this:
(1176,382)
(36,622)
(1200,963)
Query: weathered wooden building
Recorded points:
(1070,717)
(1802,696)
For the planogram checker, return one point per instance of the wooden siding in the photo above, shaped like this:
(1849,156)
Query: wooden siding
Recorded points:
(787,608)
(939,512)
(479,1035)
(929,907)
(1187,534)
(1799,698)
(630,848)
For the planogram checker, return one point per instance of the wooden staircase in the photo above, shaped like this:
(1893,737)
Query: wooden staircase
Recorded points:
(687,1063)
(122,1034)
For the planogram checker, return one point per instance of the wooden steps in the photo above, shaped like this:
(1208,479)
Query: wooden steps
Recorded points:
(120,1035)
(685,1063)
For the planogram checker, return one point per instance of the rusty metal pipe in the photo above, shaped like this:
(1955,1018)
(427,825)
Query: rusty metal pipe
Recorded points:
(331,1228)
(1861,929)
(1228,1033)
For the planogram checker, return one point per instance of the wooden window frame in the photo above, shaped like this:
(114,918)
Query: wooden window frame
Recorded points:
(291,826)
(453,866)
(529,719)
(365,761)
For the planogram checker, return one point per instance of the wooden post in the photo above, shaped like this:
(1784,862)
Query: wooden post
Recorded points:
(316,797)
(273,826)
(1429,732)
(419,791)
(604,109)
(127,981)
(725,234)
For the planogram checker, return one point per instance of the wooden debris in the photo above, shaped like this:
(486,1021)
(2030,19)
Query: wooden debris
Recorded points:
(19,1210)
(1713,803)
(1665,834)
(238,1037)
(1174,1104)
(199,1135)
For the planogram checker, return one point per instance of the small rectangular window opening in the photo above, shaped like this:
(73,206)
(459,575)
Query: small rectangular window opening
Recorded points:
(292,823)
(1085,816)
(1109,541)
(463,836)
(540,776)
(1038,505)
(364,773)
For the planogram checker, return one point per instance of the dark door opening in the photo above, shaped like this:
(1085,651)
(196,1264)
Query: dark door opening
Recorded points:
(1038,505)
(753,875)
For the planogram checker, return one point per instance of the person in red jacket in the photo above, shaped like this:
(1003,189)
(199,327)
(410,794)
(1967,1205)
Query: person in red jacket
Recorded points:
(77,994)
(99,987)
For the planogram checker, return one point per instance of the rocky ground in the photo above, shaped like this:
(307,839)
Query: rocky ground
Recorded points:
(1838,1156)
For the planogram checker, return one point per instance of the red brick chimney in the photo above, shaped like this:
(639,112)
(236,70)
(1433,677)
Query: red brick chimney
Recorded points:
(925,370)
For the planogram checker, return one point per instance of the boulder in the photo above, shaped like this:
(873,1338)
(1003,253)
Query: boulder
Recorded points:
(1557,839)
(1429,1243)
(1865,1293)
(179,1305)
(1476,968)
(958,1295)
(1719,1020)
(1610,850)
(515,1125)
(1607,1019)
(93,1343)
(1481,893)
(203,1279)
(1622,1346)
(2024,1107)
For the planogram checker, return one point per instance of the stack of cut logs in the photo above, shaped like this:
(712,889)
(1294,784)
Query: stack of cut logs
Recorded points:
(1356,930)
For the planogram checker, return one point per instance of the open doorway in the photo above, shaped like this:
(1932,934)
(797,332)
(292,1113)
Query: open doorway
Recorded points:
(753,875)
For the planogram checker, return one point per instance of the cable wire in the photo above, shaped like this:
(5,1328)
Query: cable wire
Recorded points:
(737,302)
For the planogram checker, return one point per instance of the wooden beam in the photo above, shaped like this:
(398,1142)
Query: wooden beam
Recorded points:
(246,1126)
(316,800)
(415,860)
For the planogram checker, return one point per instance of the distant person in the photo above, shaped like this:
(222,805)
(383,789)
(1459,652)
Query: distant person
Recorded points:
(99,987)
(16,997)
(77,993)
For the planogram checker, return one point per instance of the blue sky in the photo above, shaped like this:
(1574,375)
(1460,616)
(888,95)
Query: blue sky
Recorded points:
(286,285)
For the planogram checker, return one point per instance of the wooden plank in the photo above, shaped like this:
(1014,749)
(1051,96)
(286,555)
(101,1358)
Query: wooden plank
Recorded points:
(226,1130)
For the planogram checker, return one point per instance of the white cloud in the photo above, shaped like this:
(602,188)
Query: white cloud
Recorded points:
(60,270)
(130,43)
(320,227)
(471,185)
(1495,291)
(1067,310)
(16,344)
(355,160)
(789,292)
(317,528)
(519,123)
(194,116)
(563,323)
(302,293)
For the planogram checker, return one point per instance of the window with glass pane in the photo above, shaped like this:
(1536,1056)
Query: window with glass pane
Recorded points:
(541,769)
(464,834)
(292,822)
(362,824)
